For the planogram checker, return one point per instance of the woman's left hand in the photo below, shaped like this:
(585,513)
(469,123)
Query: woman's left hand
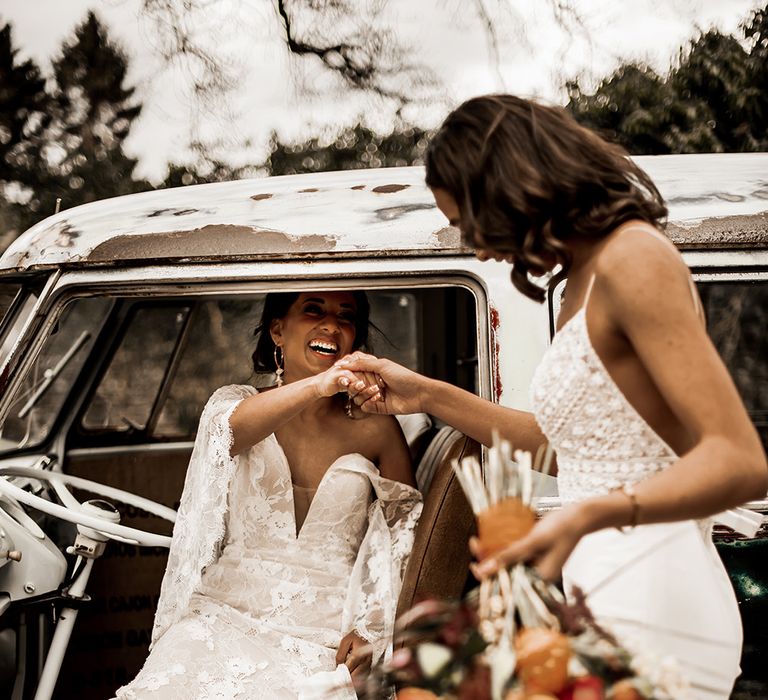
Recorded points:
(546,547)
(355,652)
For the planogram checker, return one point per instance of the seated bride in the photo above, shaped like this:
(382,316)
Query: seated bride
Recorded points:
(294,527)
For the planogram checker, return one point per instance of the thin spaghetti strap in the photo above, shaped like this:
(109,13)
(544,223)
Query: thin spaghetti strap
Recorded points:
(697,305)
(650,229)
(589,291)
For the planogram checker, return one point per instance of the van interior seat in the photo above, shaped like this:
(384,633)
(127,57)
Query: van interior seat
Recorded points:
(439,561)
(417,428)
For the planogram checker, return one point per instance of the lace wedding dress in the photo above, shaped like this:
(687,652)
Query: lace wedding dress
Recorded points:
(253,606)
(661,588)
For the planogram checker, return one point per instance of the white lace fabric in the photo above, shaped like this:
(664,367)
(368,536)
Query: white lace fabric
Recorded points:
(600,439)
(248,607)
(662,588)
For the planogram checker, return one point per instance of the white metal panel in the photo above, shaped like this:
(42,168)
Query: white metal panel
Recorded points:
(387,211)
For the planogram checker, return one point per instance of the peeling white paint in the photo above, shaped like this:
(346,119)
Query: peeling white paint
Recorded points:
(697,187)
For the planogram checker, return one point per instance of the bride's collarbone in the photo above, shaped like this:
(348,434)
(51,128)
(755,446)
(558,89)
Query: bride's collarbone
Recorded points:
(311,448)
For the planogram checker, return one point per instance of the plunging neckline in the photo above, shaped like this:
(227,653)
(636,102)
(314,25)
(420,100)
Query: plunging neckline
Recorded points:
(582,311)
(289,490)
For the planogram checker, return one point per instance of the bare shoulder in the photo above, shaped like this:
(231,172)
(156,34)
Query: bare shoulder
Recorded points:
(386,441)
(639,267)
(638,249)
(382,429)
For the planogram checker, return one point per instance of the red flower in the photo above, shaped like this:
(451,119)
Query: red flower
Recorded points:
(585,688)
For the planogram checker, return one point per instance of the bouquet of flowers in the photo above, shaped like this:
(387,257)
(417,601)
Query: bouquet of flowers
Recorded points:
(515,637)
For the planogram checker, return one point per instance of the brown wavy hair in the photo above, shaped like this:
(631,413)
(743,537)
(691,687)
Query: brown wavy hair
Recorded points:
(527,178)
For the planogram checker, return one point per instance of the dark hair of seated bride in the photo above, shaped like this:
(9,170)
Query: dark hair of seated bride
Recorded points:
(277,304)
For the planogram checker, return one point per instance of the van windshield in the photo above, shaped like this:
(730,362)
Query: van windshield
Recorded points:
(16,305)
(47,384)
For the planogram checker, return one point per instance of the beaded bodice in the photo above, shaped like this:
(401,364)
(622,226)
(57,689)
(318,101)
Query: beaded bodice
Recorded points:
(601,441)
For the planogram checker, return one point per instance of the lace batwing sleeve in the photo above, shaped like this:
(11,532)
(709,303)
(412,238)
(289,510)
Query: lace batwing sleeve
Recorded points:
(380,565)
(200,523)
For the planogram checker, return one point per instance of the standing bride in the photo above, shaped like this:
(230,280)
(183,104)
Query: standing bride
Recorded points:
(650,434)
(294,526)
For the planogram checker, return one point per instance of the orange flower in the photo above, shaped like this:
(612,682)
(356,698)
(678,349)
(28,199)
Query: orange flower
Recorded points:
(522,694)
(542,659)
(503,523)
(416,694)
(584,688)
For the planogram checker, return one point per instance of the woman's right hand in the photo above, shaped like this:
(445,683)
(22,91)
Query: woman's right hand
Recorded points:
(401,390)
(338,379)
(546,547)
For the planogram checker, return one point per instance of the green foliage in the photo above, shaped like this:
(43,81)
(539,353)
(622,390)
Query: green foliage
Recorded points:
(24,116)
(356,147)
(64,139)
(92,116)
(715,99)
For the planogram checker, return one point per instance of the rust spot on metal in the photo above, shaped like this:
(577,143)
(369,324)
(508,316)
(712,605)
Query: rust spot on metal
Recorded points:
(449,237)
(721,232)
(259,197)
(310,189)
(387,189)
(357,187)
(495,347)
(209,241)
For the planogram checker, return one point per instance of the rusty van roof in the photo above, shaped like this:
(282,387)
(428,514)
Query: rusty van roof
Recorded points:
(716,200)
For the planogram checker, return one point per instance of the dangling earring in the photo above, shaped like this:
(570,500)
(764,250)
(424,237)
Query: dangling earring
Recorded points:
(279,365)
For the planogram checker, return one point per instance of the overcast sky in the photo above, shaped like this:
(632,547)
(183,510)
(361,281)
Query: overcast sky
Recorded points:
(535,55)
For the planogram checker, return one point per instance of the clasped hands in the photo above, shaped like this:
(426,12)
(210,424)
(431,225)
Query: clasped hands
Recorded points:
(360,384)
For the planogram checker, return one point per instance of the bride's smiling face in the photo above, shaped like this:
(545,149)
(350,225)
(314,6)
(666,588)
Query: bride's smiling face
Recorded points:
(318,329)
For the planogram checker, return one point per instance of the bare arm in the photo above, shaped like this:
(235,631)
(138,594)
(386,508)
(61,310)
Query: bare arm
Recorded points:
(262,414)
(410,392)
(647,289)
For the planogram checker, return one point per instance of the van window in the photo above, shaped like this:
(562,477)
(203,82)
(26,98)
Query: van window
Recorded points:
(217,351)
(404,328)
(737,319)
(15,308)
(54,373)
(171,355)
(132,383)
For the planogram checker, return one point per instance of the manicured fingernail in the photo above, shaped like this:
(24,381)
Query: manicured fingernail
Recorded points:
(377,397)
(360,385)
(344,381)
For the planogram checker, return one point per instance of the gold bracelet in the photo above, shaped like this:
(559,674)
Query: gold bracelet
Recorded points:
(629,491)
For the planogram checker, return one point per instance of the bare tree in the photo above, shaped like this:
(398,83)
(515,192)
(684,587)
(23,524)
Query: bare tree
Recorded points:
(351,48)
(348,38)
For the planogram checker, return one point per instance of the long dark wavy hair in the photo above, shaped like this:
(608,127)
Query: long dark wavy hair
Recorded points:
(527,178)
(276,305)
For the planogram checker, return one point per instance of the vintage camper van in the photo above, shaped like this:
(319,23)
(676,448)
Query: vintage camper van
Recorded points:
(120,318)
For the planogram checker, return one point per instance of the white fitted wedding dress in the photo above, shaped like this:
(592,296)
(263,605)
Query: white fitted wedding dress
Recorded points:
(252,606)
(662,589)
